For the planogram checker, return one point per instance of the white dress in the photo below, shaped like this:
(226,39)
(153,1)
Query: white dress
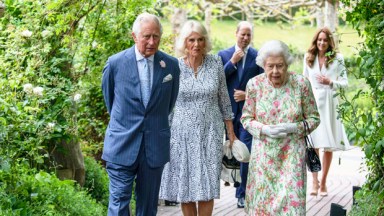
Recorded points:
(330,134)
(193,173)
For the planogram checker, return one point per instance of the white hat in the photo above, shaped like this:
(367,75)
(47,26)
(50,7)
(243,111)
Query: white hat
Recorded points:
(239,150)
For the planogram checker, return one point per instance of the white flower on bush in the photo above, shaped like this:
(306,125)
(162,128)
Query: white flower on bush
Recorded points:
(77,97)
(26,33)
(45,33)
(381,87)
(28,88)
(50,125)
(94,44)
(38,91)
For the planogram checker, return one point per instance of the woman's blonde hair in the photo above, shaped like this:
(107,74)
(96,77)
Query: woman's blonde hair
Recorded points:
(188,28)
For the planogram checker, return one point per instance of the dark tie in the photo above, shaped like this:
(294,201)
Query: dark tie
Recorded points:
(146,83)
(240,69)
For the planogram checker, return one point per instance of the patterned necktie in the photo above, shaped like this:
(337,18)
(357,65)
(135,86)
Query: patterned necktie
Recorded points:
(146,83)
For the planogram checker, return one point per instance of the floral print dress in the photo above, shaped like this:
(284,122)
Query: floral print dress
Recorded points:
(277,171)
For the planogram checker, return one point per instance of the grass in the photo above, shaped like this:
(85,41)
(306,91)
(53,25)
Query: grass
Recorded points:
(298,37)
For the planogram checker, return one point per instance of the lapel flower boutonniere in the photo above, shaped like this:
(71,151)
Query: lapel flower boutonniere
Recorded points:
(162,64)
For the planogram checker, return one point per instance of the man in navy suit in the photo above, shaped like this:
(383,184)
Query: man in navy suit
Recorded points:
(140,87)
(239,67)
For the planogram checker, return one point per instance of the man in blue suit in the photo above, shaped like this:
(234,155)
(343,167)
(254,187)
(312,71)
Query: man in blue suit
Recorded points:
(239,67)
(140,87)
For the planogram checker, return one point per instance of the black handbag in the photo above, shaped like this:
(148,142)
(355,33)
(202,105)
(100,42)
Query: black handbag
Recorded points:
(233,165)
(230,163)
(311,157)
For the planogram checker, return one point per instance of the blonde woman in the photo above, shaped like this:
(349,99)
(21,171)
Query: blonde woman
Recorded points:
(192,177)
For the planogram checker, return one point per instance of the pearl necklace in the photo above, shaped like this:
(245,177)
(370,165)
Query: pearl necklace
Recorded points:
(195,72)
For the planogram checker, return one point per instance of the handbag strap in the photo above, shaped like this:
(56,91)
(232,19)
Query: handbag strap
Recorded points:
(307,136)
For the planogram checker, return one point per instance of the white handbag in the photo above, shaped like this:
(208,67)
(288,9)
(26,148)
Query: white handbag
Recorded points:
(239,151)
(230,175)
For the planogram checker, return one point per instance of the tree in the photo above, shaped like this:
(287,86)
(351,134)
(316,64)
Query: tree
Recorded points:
(331,18)
(250,10)
(2,8)
(51,53)
(367,119)
(319,13)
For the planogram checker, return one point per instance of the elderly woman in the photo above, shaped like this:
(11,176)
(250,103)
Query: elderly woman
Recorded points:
(192,177)
(276,104)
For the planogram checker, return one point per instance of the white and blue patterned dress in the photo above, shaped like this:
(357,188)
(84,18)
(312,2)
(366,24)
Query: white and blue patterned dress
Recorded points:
(193,173)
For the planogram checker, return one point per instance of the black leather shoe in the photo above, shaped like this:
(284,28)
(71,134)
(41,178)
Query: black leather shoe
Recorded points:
(170,203)
(240,202)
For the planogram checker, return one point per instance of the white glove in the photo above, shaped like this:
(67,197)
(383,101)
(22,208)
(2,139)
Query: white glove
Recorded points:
(289,127)
(273,131)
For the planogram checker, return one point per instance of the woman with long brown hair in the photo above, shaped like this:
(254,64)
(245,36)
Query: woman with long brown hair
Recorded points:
(326,71)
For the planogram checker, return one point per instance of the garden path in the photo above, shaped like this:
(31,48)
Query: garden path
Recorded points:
(342,177)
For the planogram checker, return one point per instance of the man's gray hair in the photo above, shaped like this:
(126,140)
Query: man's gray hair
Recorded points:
(144,18)
(273,48)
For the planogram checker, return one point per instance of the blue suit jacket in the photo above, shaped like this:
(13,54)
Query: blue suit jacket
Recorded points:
(250,70)
(130,122)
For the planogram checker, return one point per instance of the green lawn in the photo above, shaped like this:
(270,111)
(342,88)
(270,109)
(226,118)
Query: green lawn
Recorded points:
(299,37)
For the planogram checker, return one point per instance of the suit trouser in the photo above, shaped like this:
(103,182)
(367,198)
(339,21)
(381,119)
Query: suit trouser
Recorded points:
(146,190)
(246,138)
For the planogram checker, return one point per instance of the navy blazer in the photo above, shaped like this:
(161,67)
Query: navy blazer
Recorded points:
(233,82)
(130,122)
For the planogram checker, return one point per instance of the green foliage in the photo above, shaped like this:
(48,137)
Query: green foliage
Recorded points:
(302,16)
(52,54)
(26,192)
(96,183)
(37,86)
(167,43)
(367,18)
(369,203)
(96,180)
(51,51)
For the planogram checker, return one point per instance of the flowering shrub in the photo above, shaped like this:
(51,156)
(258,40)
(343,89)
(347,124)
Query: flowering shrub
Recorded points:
(51,56)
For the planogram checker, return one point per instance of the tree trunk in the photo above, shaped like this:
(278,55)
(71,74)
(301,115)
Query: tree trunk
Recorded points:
(208,17)
(69,161)
(2,9)
(249,15)
(178,19)
(331,14)
(320,14)
(331,18)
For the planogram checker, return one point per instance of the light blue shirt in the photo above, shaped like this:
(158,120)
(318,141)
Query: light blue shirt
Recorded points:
(141,65)
(245,53)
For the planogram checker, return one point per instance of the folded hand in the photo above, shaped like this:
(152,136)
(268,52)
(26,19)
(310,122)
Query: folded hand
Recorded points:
(274,131)
(289,127)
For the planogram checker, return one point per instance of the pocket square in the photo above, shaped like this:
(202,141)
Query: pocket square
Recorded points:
(167,78)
